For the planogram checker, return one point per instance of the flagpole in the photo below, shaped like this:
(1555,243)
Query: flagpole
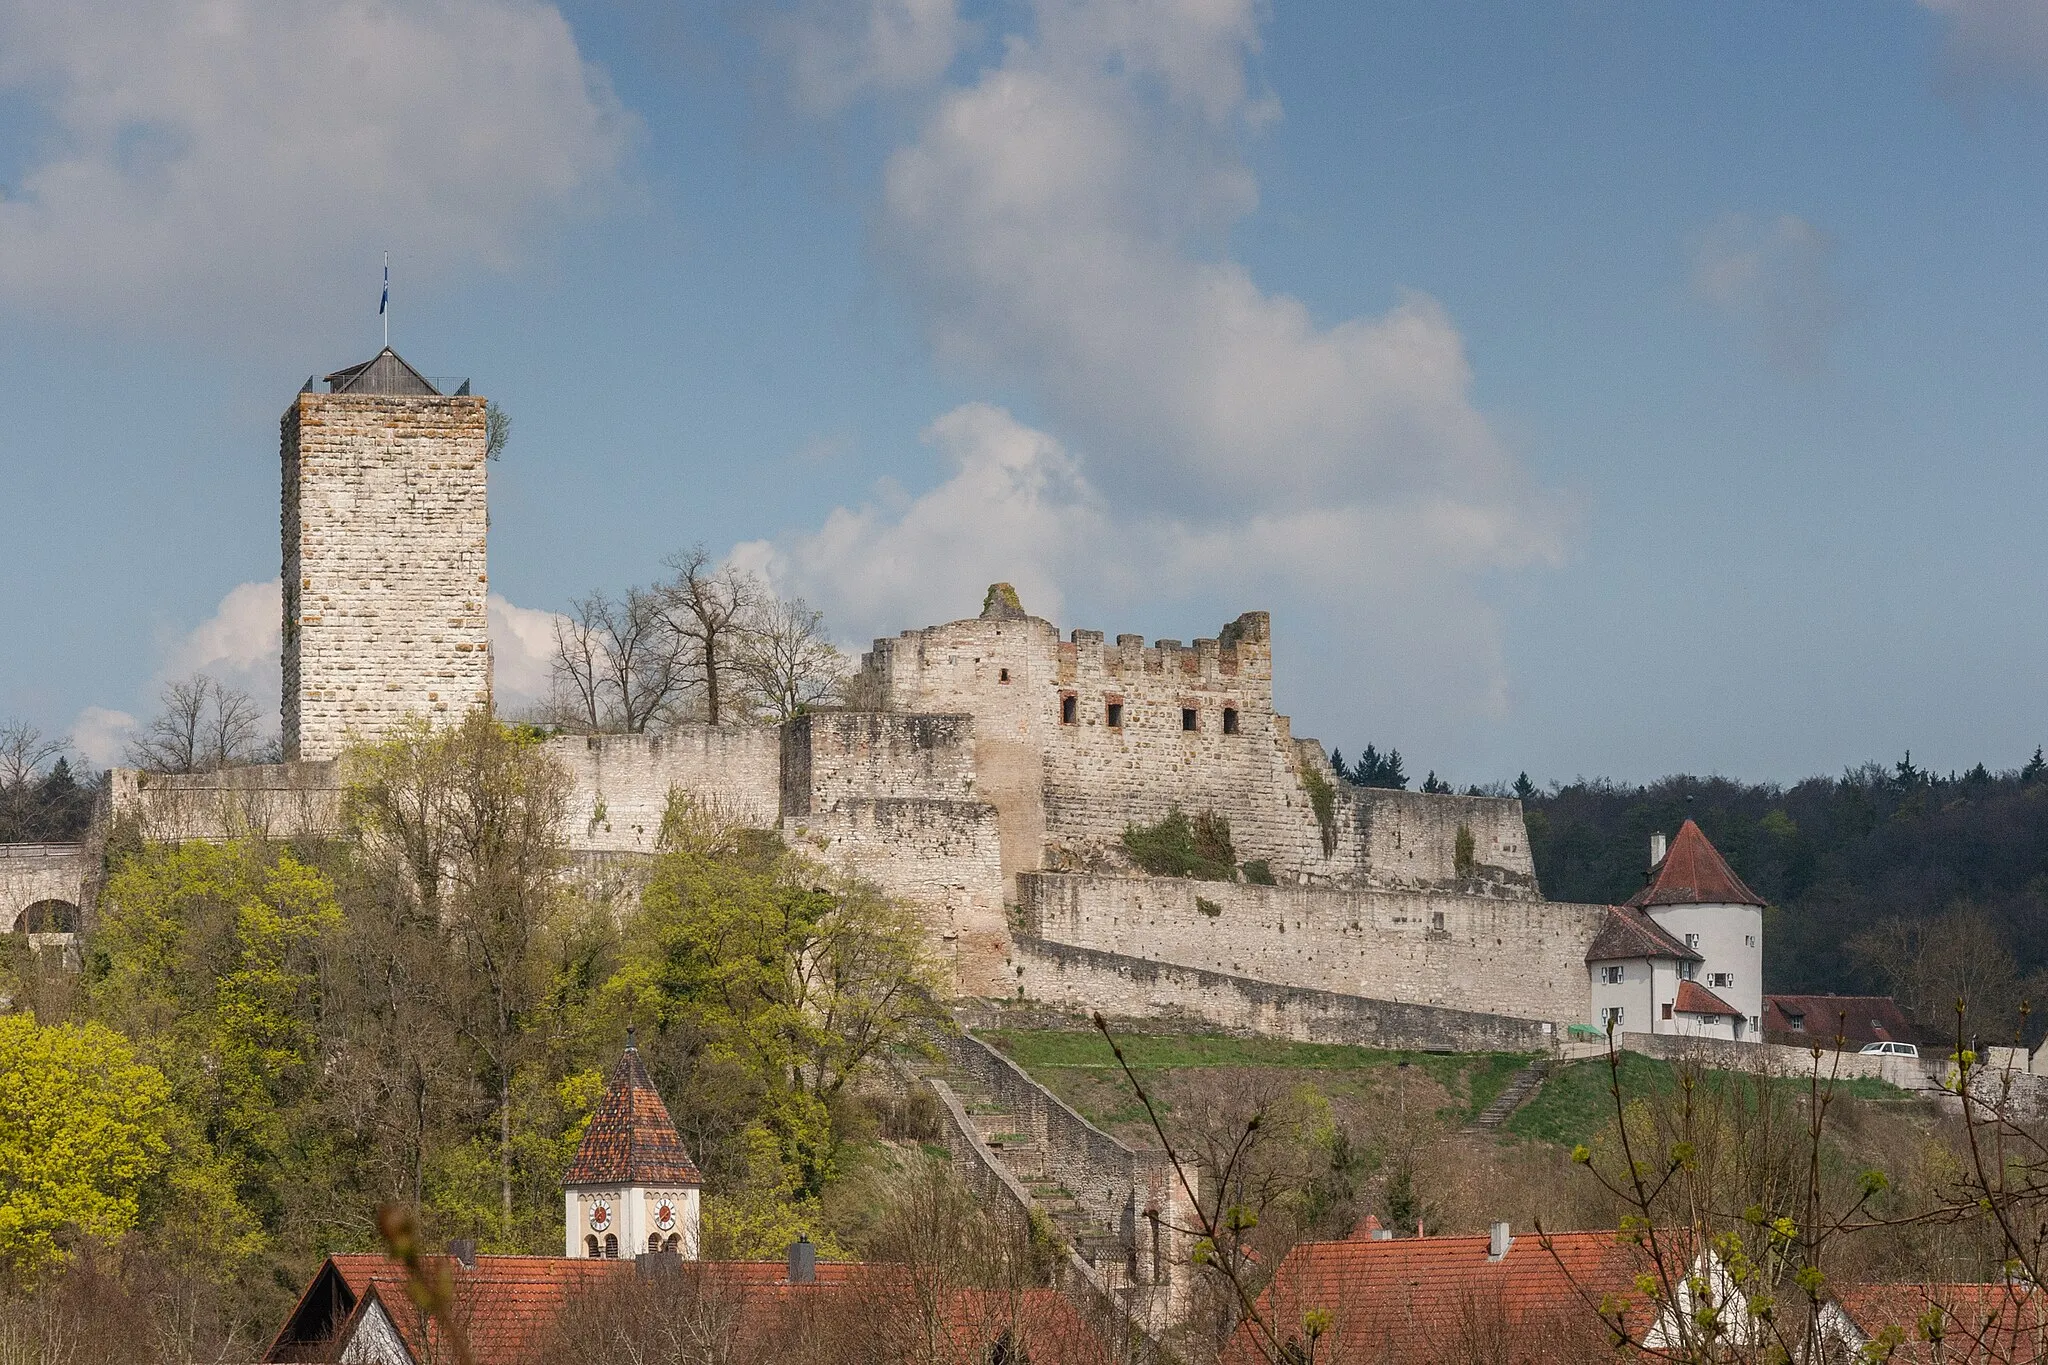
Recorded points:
(384,304)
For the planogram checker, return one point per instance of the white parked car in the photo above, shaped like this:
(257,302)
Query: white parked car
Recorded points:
(1890,1050)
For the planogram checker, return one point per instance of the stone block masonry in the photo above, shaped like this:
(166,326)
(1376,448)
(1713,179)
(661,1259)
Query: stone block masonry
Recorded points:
(383,523)
(1487,955)
(620,783)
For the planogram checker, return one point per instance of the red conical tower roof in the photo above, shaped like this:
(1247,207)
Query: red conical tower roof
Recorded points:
(631,1140)
(1693,873)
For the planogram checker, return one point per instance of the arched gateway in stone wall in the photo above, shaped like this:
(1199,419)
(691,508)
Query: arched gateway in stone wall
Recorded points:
(43,887)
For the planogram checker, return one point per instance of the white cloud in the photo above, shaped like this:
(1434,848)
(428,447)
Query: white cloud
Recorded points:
(1014,508)
(1055,221)
(102,735)
(239,642)
(838,51)
(522,654)
(210,160)
(1776,279)
(1995,39)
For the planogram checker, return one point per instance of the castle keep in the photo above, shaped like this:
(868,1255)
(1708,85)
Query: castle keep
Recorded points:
(383,521)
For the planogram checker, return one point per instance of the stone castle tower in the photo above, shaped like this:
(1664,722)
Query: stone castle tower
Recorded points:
(384,521)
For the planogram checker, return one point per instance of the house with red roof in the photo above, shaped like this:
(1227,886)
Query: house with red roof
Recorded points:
(632,1200)
(1534,1299)
(2000,1323)
(1685,955)
(1856,1020)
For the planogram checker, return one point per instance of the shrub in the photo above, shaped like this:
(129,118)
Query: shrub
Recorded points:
(1259,872)
(1323,798)
(1180,847)
(1208,907)
(1462,856)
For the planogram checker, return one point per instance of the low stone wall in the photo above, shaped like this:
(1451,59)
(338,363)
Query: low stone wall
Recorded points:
(296,800)
(620,783)
(1907,1073)
(1484,955)
(1066,976)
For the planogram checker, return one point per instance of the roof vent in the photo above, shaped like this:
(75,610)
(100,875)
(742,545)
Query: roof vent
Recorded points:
(803,1261)
(1657,848)
(1498,1242)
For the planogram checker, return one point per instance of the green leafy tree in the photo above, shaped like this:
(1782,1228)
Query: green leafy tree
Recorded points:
(776,981)
(84,1132)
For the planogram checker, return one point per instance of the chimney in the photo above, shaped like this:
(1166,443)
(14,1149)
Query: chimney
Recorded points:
(1657,846)
(463,1249)
(803,1261)
(1498,1243)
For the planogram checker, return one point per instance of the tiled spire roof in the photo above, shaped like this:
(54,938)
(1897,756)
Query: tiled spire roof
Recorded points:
(631,1140)
(1693,873)
(1630,934)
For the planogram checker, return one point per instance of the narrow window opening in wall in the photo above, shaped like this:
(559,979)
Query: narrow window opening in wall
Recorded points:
(1436,919)
(1189,718)
(1070,709)
(1113,714)
(1667,1011)
(1230,720)
(611,1246)
(1002,675)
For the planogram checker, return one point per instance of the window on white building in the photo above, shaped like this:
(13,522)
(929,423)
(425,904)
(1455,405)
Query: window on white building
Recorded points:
(1749,940)
(1720,979)
(1611,1016)
(1611,975)
(1692,940)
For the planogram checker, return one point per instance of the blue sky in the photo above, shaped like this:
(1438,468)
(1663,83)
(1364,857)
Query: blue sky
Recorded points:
(1592,388)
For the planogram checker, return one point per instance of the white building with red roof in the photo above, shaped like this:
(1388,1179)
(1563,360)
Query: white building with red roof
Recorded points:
(631,1187)
(1686,954)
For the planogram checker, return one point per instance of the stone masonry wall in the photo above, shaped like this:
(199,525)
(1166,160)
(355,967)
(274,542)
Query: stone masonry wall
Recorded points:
(383,523)
(1520,958)
(620,783)
(1086,979)
(1066,780)
(295,800)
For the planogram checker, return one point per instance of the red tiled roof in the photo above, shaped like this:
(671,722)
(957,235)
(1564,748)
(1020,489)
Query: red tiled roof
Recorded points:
(631,1140)
(1440,1299)
(1693,998)
(1631,934)
(2003,1322)
(1693,873)
(508,1307)
(1856,1019)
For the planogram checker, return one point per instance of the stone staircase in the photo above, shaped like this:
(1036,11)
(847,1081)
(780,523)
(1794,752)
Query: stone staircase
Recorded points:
(1513,1096)
(1008,1138)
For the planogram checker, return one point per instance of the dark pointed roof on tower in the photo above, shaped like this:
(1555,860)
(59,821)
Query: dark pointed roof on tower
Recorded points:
(1693,873)
(384,372)
(631,1140)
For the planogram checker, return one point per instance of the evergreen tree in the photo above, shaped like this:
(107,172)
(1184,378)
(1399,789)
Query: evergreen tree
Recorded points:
(1524,788)
(2035,767)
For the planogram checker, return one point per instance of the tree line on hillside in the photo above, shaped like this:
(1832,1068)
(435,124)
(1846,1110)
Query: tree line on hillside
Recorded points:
(1885,880)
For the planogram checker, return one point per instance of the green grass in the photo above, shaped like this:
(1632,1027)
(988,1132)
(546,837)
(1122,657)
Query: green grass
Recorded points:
(1575,1103)
(1480,1075)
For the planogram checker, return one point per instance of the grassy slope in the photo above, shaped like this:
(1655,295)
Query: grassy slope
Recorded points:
(1051,1055)
(1577,1101)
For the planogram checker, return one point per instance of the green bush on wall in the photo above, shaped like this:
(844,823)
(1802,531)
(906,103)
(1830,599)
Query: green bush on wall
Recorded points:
(1180,847)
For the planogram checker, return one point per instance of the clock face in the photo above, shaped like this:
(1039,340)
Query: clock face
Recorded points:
(665,1216)
(601,1216)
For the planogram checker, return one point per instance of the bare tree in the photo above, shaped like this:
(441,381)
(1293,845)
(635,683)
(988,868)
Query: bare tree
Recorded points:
(201,726)
(708,607)
(23,751)
(618,662)
(786,660)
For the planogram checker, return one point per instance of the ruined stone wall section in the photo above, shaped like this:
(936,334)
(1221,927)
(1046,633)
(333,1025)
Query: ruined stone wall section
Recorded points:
(837,756)
(1077,739)
(384,574)
(1520,958)
(296,800)
(620,783)
(942,857)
